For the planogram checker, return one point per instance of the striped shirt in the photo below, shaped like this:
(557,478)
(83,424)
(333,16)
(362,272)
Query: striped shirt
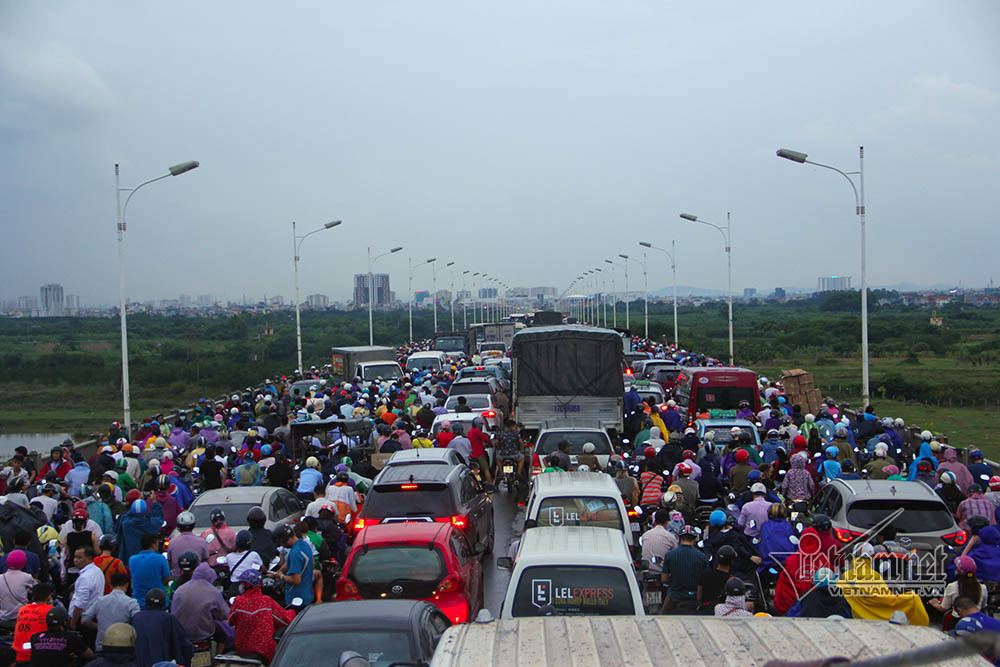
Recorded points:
(975,505)
(651,487)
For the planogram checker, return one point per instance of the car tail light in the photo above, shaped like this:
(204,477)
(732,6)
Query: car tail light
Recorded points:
(536,464)
(958,539)
(361,523)
(449,584)
(459,521)
(346,588)
(628,371)
(490,413)
(408,487)
(845,535)
(632,513)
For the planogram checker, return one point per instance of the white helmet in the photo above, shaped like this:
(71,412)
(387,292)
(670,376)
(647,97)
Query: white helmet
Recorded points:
(668,499)
(588,448)
(234,411)
(899,422)
(583,468)
(235,397)
(926,435)
(671,403)
(810,418)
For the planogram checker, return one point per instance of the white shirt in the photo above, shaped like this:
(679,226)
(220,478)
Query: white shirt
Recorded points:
(656,542)
(343,494)
(89,586)
(49,505)
(313,508)
(251,562)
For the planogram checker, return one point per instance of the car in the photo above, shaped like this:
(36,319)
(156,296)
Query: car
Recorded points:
(425,456)
(665,374)
(465,419)
(384,632)
(479,404)
(700,390)
(492,371)
(631,358)
(492,349)
(580,499)
(571,571)
(549,438)
(484,384)
(427,494)
(419,361)
(722,430)
(424,561)
(647,389)
(280,505)
(304,386)
(925,525)
(505,364)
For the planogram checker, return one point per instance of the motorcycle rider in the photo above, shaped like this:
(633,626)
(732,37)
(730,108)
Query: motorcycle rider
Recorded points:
(223,538)
(509,445)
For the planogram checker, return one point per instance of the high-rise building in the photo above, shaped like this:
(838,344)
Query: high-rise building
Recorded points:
(52,302)
(833,283)
(487,292)
(72,304)
(27,304)
(749,292)
(206,300)
(779,293)
(318,301)
(383,294)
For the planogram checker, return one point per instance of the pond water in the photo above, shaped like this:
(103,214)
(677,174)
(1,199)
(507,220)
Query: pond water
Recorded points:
(37,442)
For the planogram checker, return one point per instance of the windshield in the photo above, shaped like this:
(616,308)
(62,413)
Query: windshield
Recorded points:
(487,347)
(573,591)
(416,568)
(380,648)
(477,373)
(464,388)
(425,363)
(236,513)
(474,401)
(392,501)
(920,516)
(550,440)
(387,371)
(597,511)
(450,344)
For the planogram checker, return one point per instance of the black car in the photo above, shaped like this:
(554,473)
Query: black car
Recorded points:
(383,632)
(411,493)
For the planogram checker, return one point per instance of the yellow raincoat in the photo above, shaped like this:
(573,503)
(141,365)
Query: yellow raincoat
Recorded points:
(870,598)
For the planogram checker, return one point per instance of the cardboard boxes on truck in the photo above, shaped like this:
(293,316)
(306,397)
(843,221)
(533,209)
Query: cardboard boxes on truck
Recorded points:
(800,389)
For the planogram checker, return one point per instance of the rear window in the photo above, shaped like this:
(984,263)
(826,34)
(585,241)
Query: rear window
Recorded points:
(394,501)
(474,401)
(920,516)
(723,398)
(378,567)
(549,441)
(376,371)
(573,591)
(236,513)
(596,511)
(724,436)
(485,347)
(426,363)
(470,388)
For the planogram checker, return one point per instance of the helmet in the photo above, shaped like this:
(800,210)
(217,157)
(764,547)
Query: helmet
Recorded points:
(735,587)
(187,561)
(687,454)
(994,483)
(821,522)
(50,488)
(926,435)
(725,555)
(185,519)
(935,446)
(282,533)
(967,626)
(717,518)
(343,477)
(217,515)
(156,599)
(965,565)
(689,531)
(162,482)
(840,432)
(668,499)
(977,523)
(118,635)
(684,468)
(824,578)
(138,507)
(975,454)
(947,477)
(899,423)
(243,540)
(312,462)
(256,517)
(588,448)
(57,617)
(741,456)
(109,542)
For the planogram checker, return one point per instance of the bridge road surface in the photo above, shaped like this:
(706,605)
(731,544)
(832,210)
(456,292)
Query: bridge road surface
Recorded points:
(507,521)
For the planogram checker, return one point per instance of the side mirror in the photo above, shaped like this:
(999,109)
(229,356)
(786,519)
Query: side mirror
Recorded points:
(505,563)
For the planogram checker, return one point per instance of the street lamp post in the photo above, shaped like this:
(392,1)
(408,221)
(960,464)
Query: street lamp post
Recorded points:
(175,170)
(297,244)
(614,297)
(475,298)
(451,296)
(859,210)
(672,254)
(434,275)
(410,288)
(628,319)
(371,290)
(727,235)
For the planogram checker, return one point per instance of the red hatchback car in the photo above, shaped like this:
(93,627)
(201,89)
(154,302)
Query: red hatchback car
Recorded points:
(418,561)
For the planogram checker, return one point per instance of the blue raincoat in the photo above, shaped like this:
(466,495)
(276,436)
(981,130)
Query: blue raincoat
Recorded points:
(986,554)
(925,453)
(774,543)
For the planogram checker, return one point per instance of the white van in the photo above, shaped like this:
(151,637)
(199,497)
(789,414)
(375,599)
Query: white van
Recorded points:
(580,499)
(419,361)
(571,571)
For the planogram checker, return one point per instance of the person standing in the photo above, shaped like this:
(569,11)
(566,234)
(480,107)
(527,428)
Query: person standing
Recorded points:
(149,570)
(115,607)
(89,585)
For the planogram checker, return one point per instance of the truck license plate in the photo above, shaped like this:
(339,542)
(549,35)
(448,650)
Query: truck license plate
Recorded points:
(634,527)
(654,598)
(508,468)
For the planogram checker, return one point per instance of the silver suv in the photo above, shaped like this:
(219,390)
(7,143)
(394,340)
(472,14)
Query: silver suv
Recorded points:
(925,529)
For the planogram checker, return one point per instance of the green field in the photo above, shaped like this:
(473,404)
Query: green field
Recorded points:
(64,374)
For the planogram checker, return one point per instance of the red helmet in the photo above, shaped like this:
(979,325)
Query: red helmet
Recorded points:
(741,456)
(649,453)
(684,468)
(799,442)
(994,483)
(688,454)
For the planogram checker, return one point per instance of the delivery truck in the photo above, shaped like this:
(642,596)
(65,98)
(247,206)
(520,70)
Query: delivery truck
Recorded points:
(368,362)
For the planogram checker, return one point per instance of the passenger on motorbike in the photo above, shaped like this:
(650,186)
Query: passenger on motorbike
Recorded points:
(223,538)
(721,532)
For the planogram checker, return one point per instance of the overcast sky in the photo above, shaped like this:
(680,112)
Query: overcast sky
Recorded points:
(529,140)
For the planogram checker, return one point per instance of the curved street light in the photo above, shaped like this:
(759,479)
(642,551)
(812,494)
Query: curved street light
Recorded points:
(371,290)
(672,254)
(297,244)
(727,236)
